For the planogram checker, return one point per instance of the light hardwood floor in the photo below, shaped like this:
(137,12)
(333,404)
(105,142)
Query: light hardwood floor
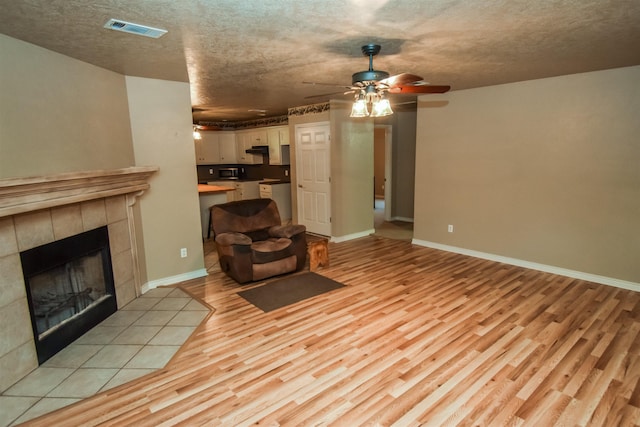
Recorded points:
(418,337)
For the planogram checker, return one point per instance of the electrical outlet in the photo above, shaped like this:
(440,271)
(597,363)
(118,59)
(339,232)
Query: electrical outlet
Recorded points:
(183,253)
(286,172)
(210,171)
(450,228)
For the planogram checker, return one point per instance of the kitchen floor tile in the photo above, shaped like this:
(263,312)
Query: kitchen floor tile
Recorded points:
(178,293)
(194,305)
(172,335)
(157,293)
(188,318)
(122,318)
(100,335)
(11,407)
(142,304)
(73,356)
(153,356)
(83,383)
(137,335)
(155,318)
(39,382)
(172,304)
(113,356)
(124,376)
(44,406)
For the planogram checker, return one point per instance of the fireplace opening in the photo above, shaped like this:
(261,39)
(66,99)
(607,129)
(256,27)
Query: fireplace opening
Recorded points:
(70,289)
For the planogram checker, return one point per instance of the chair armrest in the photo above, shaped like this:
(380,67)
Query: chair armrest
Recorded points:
(287,230)
(228,239)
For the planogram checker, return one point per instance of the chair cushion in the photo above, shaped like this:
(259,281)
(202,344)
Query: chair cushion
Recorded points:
(256,235)
(243,216)
(270,250)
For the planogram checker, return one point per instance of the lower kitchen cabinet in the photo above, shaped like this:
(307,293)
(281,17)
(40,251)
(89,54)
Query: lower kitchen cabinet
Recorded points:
(281,194)
(247,190)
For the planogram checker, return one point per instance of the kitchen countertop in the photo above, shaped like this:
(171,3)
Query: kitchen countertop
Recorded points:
(207,189)
(276,182)
(230,181)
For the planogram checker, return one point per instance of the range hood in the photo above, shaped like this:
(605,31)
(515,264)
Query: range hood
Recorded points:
(258,149)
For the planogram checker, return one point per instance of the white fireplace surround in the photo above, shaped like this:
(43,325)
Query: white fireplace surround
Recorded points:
(40,210)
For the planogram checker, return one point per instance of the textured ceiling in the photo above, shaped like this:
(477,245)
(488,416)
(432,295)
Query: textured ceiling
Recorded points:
(255,54)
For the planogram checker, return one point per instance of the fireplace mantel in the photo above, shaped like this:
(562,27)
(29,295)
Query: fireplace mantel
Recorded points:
(20,195)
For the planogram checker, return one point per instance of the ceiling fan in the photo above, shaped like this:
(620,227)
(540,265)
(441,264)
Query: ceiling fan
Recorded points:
(370,87)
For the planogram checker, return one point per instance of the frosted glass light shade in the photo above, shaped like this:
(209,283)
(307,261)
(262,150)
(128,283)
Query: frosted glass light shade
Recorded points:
(381,108)
(359,108)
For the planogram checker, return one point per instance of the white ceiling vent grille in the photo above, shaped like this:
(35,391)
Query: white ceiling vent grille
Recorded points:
(130,27)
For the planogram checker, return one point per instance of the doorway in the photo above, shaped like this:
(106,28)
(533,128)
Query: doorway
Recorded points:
(382,156)
(384,225)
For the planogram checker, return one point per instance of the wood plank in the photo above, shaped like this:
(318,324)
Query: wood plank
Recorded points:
(425,337)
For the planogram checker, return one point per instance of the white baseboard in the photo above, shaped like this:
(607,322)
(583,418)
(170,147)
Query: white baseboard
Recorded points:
(352,236)
(623,284)
(401,218)
(173,279)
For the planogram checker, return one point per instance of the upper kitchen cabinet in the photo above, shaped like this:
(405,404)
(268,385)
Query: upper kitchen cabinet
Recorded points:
(245,140)
(207,149)
(216,147)
(227,146)
(278,141)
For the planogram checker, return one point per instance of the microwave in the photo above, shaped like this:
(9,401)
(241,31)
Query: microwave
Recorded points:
(229,173)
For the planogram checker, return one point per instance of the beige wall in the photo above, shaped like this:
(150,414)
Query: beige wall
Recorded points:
(546,171)
(379,160)
(351,168)
(404,164)
(170,210)
(351,172)
(58,114)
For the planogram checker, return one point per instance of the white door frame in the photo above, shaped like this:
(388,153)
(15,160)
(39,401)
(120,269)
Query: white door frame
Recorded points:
(388,169)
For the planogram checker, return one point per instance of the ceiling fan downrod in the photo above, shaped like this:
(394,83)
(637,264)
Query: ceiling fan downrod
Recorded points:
(370,76)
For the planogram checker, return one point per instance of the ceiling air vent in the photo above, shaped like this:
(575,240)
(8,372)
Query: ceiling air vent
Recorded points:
(129,27)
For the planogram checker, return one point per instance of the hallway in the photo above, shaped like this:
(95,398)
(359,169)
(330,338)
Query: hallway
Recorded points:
(398,230)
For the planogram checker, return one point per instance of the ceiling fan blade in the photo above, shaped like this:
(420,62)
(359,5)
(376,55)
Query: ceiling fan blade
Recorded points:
(400,79)
(329,94)
(419,89)
(326,84)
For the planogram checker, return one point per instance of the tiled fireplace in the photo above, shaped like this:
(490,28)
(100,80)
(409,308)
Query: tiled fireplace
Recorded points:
(39,211)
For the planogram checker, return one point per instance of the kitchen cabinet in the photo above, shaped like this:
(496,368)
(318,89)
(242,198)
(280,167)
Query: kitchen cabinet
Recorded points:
(247,139)
(207,150)
(243,189)
(216,148)
(227,146)
(281,194)
(278,141)
(247,190)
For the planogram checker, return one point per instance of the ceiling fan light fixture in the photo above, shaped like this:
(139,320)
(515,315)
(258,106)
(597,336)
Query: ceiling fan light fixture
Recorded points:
(380,105)
(359,108)
(381,108)
(196,133)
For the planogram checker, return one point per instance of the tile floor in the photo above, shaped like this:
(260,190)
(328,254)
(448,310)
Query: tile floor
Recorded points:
(136,340)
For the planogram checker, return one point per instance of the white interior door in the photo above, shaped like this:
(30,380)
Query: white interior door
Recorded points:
(313,177)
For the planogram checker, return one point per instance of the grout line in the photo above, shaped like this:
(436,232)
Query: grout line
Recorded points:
(110,342)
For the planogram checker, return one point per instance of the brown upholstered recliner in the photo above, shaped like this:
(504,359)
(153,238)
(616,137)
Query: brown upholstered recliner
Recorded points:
(252,244)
